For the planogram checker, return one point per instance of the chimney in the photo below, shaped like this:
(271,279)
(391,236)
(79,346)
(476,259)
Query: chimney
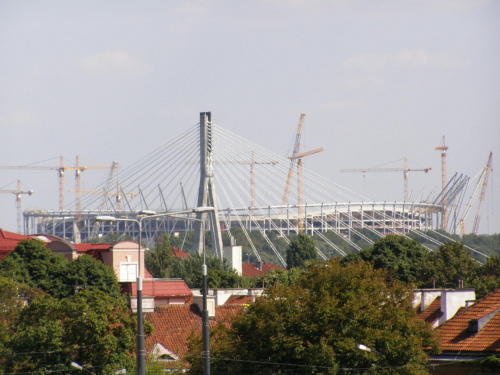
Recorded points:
(234,255)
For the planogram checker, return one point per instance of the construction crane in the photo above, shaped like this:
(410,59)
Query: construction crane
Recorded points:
(252,164)
(443,148)
(487,170)
(61,169)
(18,192)
(405,171)
(296,159)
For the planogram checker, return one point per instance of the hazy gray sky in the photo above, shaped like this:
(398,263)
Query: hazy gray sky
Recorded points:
(378,81)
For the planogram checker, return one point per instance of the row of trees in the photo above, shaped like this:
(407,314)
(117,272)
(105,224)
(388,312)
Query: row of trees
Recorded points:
(485,244)
(446,267)
(315,324)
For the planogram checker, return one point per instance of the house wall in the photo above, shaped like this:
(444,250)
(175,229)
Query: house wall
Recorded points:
(424,297)
(234,255)
(63,248)
(125,254)
(452,300)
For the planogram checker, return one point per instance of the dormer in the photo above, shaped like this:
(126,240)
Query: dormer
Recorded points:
(475,325)
(124,257)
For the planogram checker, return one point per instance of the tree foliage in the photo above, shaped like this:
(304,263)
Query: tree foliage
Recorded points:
(159,258)
(404,257)
(90,328)
(314,326)
(451,263)
(486,278)
(300,251)
(31,263)
(220,273)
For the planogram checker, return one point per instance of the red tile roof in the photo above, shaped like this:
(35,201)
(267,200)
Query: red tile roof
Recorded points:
(174,323)
(238,300)
(258,269)
(9,240)
(147,275)
(456,337)
(179,253)
(91,247)
(432,313)
(163,288)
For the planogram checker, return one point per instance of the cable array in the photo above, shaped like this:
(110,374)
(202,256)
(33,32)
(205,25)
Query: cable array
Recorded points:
(250,184)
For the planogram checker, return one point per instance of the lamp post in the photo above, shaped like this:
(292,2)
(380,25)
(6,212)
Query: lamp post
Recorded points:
(140,347)
(367,349)
(81,368)
(205,330)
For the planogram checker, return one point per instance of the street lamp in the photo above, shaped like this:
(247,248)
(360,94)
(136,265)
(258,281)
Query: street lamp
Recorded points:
(141,350)
(367,349)
(205,331)
(81,368)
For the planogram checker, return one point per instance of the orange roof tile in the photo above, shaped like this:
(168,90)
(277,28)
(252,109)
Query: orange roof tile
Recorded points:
(455,334)
(163,288)
(9,240)
(88,247)
(179,253)
(432,313)
(256,269)
(238,300)
(174,323)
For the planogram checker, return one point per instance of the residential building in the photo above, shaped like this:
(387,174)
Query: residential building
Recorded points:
(469,337)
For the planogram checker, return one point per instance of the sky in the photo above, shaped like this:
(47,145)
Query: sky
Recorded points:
(379,81)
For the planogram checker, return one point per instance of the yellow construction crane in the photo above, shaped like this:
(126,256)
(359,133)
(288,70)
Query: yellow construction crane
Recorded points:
(296,158)
(61,169)
(405,171)
(18,192)
(443,148)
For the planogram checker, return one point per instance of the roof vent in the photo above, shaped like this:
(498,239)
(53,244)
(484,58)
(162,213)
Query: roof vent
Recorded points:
(475,325)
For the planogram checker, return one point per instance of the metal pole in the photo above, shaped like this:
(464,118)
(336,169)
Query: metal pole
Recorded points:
(204,316)
(140,350)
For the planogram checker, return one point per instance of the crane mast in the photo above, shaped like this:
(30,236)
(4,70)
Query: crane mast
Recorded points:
(443,148)
(297,155)
(487,170)
(18,192)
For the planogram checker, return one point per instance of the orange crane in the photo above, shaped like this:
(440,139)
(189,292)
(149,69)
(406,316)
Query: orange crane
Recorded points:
(405,171)
(443,148)
(296,158)
(61,169)
(18,192)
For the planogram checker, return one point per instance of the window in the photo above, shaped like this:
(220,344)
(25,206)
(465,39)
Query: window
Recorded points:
(128,272)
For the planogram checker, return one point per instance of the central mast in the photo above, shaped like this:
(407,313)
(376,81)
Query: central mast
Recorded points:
(206,191)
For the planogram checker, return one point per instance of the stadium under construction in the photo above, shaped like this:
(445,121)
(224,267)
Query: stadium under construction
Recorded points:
(208,166)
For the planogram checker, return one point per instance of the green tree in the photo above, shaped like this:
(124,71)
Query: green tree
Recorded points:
(452,262)
(314,326)
(87,272)
(301,250)
(13,298)
(90,328)
(159,258)
(33,264)
(487,277)
(220,273)
(406,258)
